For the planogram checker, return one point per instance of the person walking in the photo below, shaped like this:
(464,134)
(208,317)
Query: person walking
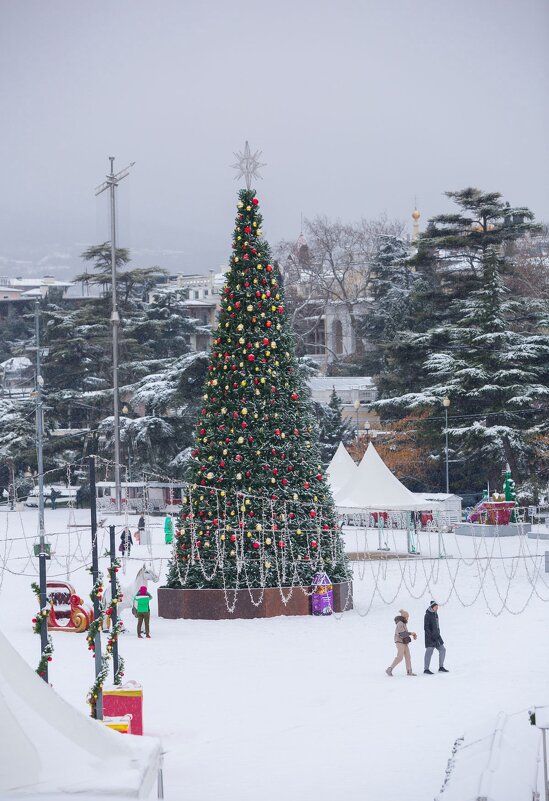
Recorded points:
(79,498)
(142,604)
(54,494)
(402,638)
(126,542)
(433,639)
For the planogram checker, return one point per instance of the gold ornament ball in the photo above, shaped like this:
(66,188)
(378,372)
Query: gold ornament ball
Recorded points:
(268,540)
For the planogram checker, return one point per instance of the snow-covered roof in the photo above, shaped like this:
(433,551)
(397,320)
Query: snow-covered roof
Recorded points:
(341,382)
(497,761)
(373,486)
(15,364)
(341,469)
(437,496)
(206,303)
(48,746)
(33,282)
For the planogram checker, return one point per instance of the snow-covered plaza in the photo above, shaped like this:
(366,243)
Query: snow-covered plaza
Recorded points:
(295,707)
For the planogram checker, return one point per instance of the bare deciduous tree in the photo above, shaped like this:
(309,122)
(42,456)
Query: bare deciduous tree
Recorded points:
(330,263)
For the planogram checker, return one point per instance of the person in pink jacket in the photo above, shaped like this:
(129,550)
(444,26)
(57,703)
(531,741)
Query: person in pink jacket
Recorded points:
(402,638)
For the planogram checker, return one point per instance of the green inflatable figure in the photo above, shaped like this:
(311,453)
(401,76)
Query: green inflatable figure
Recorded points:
(509,492)
(168,530)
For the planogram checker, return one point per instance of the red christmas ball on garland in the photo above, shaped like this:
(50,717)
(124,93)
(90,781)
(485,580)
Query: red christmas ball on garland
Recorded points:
(255,201)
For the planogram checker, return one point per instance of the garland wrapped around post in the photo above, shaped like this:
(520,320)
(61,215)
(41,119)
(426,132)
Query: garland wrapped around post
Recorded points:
(41,615)
(96,627)
(118,627)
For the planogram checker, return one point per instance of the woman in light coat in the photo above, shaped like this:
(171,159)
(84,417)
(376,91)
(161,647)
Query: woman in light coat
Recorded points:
(402,638)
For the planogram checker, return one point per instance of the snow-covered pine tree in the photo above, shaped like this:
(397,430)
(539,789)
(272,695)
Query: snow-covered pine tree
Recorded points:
(260,512)
(333,429)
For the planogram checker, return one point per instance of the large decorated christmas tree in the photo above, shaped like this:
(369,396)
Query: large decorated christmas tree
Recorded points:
(258,512)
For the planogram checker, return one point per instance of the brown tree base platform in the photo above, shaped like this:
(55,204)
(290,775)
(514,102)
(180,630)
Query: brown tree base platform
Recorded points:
(212,604)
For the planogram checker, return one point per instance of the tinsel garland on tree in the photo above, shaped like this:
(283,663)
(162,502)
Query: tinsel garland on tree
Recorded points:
(259,512)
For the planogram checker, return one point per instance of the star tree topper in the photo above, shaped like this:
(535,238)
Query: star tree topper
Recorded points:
(248,165)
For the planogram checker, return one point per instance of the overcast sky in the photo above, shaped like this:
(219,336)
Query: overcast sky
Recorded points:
(357,107)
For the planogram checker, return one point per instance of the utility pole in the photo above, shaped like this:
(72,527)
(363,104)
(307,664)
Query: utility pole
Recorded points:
(40,458)
(111,183)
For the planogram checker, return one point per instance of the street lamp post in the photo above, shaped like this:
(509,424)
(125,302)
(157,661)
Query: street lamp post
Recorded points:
(356,404)
(367,432)
(446,404)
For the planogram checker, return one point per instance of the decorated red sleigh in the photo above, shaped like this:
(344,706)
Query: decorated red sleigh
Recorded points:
(67,609)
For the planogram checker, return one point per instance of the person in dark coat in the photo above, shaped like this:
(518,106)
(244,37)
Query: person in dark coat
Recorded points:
(433,639)
(54,495)
(126,542)
(79,498)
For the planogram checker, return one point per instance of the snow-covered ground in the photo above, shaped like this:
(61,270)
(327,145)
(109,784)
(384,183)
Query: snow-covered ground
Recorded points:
(259,710)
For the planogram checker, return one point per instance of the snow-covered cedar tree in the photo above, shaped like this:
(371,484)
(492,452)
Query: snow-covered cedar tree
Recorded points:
(159,440)
(333,429)
(497,379)
(390,287)
(260,512)
(449,266)
(17,437)
(153,337)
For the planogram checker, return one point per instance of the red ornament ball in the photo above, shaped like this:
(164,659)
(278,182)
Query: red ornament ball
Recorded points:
(255,545)
(313,543)
(251,357)
(294,396)
(312,513)
(255,201)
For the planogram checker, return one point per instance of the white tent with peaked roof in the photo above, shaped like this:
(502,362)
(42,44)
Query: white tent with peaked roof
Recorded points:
(341,469)
(374,487)
(47,747)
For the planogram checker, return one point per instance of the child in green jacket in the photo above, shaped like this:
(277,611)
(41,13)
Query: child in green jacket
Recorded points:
(142,604)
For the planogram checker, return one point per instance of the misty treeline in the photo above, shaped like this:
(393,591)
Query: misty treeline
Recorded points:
(462,313)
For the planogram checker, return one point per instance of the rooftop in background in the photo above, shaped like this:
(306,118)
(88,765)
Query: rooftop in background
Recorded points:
(348,388)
